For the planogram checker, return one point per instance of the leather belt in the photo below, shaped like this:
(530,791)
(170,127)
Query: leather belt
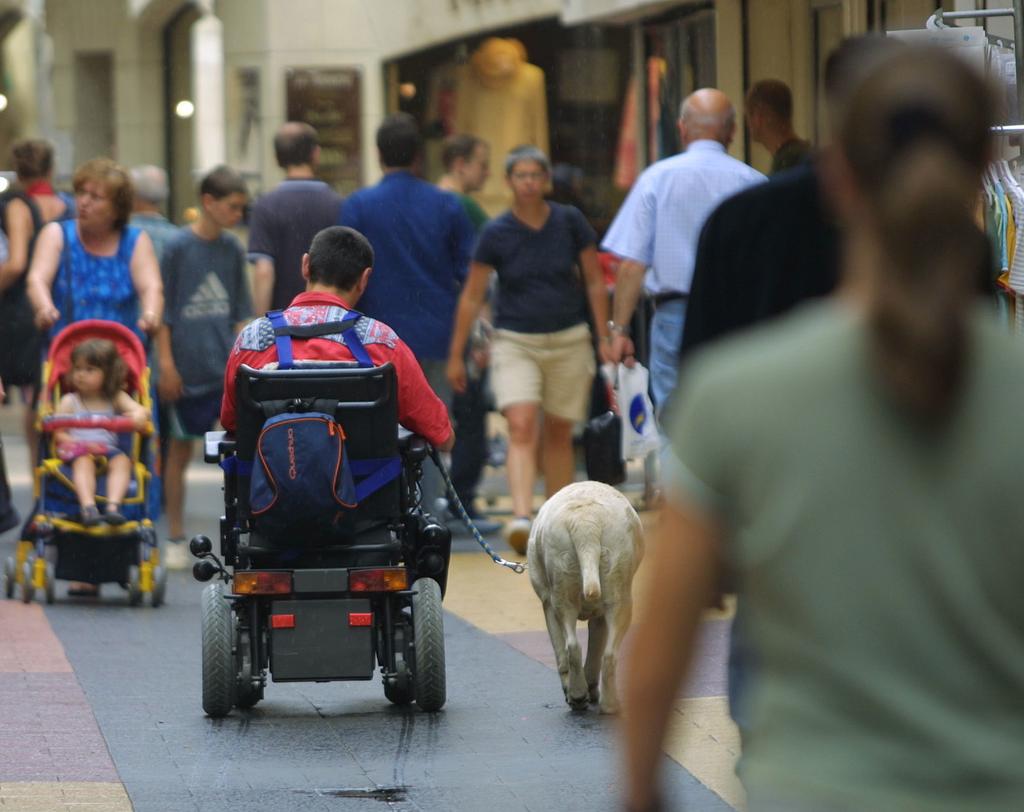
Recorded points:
(658,299)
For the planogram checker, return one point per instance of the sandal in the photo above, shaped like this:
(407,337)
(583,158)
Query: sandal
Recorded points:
(90,516)
(81,590)
(113,515)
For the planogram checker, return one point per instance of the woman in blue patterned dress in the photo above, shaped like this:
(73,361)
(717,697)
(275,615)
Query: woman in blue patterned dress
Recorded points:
(97,266)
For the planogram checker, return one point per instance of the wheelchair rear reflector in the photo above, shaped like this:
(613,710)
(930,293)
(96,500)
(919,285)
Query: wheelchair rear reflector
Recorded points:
(262,583)
(282,621)
(389,579)
(360,618)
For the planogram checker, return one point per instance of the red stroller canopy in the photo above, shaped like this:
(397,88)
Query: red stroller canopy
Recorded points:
(128,347)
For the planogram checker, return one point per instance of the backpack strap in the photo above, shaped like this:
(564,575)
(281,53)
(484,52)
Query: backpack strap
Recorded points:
(285,332)
(282,339)
(376,473)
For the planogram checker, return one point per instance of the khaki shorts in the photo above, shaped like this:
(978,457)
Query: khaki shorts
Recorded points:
(555,370)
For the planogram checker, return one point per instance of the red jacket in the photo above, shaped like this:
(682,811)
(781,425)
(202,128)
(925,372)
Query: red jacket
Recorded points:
(419,409)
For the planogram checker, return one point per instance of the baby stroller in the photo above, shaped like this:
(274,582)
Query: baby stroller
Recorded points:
(323,600)
(56,544)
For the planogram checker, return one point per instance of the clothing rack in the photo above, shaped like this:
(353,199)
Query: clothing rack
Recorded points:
(937,20)
(1014,303)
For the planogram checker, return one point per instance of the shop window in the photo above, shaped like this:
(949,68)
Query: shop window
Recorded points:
(585,72)
(827,32)
(680,60)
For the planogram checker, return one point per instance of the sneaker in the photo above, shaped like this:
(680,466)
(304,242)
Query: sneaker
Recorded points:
(517,534)
(91,516)
(176,555)
(113,515)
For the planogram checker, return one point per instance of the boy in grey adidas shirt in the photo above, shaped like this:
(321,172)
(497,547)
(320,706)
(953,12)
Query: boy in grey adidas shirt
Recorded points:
(207,301)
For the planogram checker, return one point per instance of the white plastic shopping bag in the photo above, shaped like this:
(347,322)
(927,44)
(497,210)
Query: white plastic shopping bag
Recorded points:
(639,429)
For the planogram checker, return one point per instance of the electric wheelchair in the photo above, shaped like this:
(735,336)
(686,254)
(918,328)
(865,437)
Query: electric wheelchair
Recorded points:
(334,597)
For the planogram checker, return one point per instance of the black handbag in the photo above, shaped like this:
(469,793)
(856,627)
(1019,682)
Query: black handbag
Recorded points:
(602,449)
(22,341)
(22,357)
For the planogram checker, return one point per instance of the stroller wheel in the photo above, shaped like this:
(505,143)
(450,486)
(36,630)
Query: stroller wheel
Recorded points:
(428,639)
(156,597)
(10,577)
(28,589)
(134,586)
(50,590)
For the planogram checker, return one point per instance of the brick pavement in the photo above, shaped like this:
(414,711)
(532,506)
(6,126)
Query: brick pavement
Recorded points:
(54,756)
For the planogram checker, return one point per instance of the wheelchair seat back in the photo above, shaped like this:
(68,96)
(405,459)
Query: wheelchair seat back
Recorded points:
(362,400)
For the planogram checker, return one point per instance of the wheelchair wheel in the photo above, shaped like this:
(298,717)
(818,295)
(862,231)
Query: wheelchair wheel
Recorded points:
(219,674)
(428,639)
(28,589)
(402,691)
(156,597)
(247,693)
(134,586)
(50,590)
(10,577)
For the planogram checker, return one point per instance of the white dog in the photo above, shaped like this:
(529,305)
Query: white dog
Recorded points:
(584,548)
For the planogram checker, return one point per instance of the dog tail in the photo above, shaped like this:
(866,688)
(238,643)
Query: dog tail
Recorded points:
(590,558)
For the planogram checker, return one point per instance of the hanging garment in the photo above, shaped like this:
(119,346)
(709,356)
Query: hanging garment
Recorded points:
(500,98)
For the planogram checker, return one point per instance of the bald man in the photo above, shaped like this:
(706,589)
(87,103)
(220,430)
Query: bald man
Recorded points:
(285,220)
(656,231)
(151,192)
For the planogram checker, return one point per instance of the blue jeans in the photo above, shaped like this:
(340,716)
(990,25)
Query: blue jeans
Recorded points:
(666,336)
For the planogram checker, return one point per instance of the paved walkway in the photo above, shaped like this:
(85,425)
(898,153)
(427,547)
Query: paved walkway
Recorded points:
(56,758)
(703,738)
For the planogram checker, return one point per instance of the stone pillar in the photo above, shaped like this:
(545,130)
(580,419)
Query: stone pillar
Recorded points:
(208,93)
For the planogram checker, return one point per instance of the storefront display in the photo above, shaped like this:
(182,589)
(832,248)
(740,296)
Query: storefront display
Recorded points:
(540,83)
(501,98)
(570,90)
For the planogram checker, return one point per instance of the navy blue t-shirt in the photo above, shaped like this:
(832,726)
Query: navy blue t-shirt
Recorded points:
(540,288)
(422,239)
(283,223)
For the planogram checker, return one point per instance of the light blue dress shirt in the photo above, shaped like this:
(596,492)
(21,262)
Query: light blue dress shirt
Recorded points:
(660,221)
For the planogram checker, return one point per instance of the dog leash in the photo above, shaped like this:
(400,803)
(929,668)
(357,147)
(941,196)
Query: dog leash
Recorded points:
(516,566)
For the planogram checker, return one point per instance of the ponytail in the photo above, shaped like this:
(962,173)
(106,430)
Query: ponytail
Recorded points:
(933,251)
(916,138)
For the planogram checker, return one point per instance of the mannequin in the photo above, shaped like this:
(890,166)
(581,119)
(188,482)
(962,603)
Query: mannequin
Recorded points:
(500,98)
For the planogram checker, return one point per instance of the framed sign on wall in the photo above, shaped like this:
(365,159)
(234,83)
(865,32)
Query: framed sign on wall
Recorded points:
(329,100)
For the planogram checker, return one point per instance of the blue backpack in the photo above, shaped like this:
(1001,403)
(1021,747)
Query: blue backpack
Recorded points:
(301,470)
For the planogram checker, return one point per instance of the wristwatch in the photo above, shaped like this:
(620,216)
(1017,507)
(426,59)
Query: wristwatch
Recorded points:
(618,329)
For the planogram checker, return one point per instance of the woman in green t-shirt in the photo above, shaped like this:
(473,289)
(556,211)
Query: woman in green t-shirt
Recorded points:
(849,466)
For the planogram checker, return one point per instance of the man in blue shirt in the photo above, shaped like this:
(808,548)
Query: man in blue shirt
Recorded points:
(659,225)
(422,240)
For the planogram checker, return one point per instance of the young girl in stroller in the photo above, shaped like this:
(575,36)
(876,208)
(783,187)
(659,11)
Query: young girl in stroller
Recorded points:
(97,377)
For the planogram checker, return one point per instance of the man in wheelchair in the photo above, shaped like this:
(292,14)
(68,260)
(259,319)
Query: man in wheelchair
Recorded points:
(330,565)
(337,270)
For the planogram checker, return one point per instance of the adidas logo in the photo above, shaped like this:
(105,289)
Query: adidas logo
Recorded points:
(210,300)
